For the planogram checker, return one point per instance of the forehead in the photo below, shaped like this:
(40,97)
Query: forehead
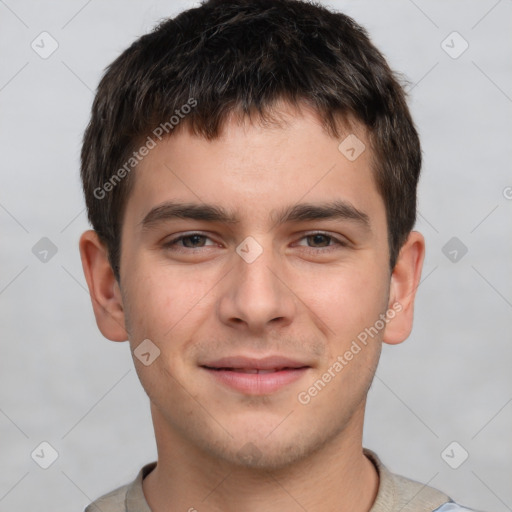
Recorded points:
(254,169)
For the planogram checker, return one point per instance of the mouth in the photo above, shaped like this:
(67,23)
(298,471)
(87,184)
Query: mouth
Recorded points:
(256,376)
(253,370)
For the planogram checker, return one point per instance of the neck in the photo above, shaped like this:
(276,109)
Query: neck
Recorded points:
(336,477)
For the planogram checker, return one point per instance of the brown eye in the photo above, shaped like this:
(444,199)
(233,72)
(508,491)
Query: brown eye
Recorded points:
(190,241)
(322,242)
(319,238)
(194,241)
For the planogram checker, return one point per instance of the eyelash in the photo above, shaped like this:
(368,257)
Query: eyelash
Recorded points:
(172,244)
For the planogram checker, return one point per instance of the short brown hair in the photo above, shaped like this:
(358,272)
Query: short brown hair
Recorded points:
(244,56)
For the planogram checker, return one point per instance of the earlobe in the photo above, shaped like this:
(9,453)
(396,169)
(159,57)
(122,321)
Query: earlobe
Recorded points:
(405,280)
(103,287)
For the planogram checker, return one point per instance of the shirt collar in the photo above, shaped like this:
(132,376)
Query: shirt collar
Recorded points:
(384,502)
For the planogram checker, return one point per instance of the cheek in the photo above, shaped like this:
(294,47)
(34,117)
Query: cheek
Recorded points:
(160,309)
(165,303)
(153,288)
(345,297)
(151,307)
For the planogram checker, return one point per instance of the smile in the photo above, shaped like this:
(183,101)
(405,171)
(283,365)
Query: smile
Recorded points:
(251,370)
(251,375)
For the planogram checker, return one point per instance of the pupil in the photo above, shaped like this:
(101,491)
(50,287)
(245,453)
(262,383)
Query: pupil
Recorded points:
(318,239)
(194,239)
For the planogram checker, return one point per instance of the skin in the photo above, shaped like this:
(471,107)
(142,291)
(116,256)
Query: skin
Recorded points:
(297,299)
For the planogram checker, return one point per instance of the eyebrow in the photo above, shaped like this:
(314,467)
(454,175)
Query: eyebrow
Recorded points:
(333,210)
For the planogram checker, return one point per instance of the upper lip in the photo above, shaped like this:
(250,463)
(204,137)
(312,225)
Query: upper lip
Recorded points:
(264,363)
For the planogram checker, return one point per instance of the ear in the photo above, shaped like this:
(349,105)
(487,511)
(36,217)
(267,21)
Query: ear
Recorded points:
(405,280)
(103,287)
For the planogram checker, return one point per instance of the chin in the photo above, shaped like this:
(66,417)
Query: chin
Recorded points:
(270,458)
(264,451)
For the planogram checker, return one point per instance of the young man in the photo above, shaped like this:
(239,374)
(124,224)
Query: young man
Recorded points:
(250,172)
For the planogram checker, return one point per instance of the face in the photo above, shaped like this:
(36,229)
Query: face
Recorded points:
(252,301)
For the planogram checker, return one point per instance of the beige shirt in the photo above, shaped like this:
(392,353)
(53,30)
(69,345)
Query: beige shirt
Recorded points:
(395,494)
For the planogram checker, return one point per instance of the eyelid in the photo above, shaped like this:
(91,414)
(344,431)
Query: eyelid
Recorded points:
(336,236)
(338,241)
(186,235)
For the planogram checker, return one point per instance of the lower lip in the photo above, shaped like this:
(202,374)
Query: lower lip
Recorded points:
(257,383)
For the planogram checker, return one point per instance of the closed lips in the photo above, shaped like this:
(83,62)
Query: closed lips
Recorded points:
(256,370)
(252,375)
(247,364)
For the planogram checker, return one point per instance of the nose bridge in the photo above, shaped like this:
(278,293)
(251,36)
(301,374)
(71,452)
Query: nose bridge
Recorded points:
(257,294)
(256,269)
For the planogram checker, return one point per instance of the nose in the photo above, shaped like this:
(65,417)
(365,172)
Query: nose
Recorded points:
(256,294)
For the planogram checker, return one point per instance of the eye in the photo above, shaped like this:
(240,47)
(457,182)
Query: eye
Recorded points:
(190,241)
(316,242)
(324,241)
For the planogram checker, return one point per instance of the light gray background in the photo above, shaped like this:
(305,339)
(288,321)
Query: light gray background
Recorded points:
(63,383)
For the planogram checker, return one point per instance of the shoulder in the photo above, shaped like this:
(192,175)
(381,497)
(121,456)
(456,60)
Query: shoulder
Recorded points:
(126,498)
(421,495)
(415,496)
(114,501)
(398,493)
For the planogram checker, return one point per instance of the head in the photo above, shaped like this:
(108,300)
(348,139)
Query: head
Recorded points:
(257,120)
